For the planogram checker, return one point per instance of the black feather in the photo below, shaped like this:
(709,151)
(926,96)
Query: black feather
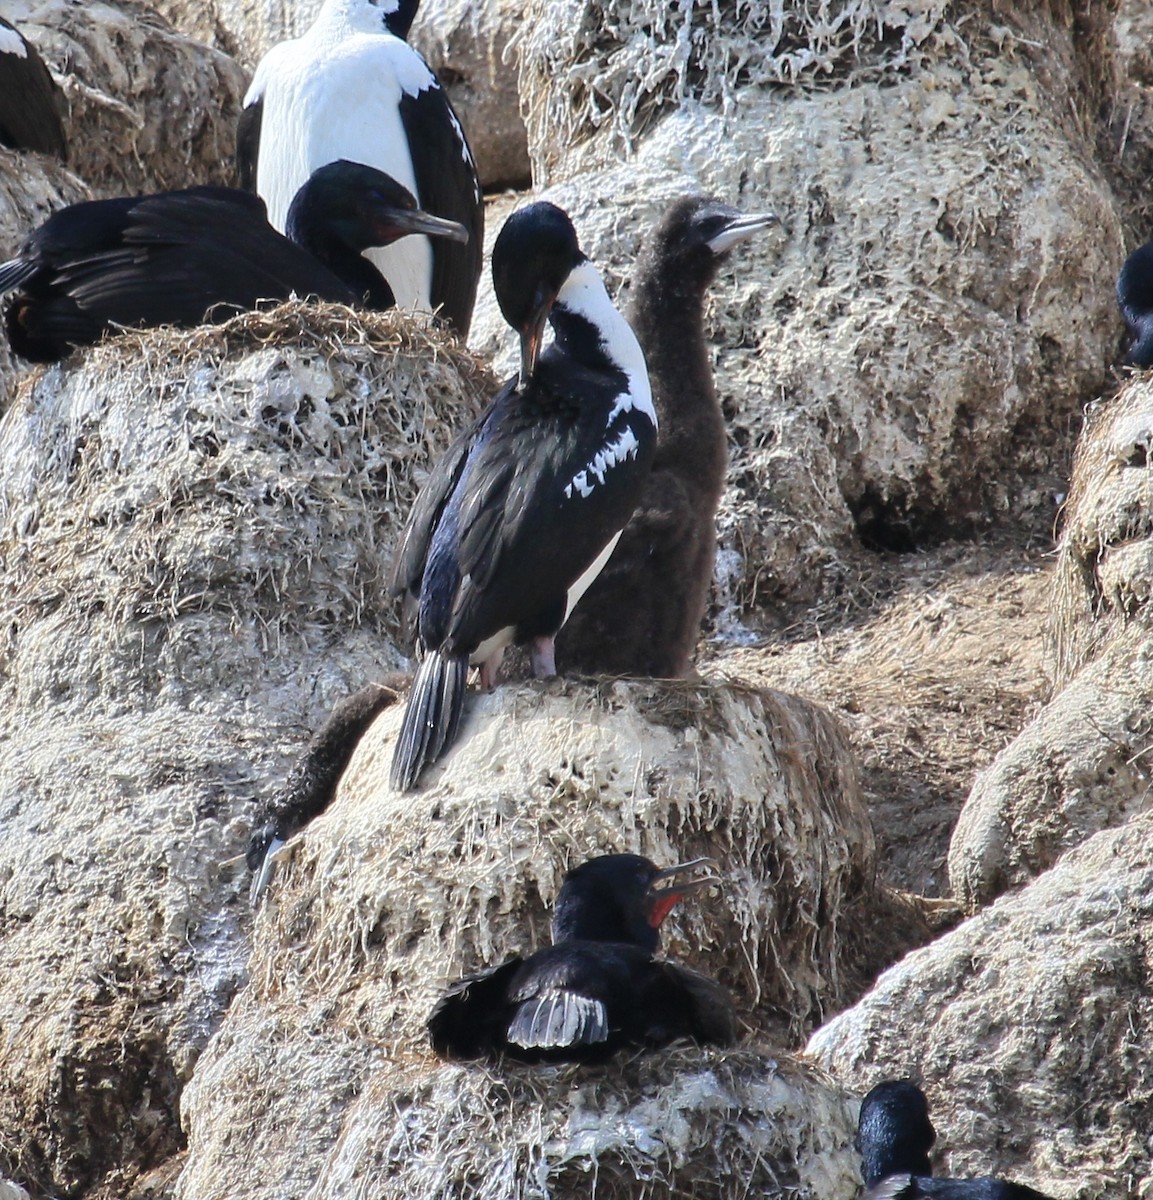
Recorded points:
(431,718)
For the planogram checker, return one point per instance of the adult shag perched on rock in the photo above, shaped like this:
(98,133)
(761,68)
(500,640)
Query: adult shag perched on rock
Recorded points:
(30,101)
(597,989)
(525,508)
(895,1135)
(202,254)
(352,87)
(642,615)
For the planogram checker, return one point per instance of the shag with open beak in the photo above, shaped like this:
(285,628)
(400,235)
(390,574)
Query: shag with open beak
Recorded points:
(598,988)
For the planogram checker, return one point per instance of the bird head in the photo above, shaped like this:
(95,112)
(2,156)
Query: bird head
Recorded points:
(697,232)
(625,897)
(894,1133)
(365,207)
(534,253)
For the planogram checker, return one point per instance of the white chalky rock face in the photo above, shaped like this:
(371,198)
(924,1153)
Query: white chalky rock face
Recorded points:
(1081,765)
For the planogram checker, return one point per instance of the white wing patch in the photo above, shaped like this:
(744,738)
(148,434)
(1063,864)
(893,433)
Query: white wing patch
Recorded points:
(624,446)
(556,1019)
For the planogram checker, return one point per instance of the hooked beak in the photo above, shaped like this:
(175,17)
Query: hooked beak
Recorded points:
(532,334)
(740,228)
(400,222)
(660,901)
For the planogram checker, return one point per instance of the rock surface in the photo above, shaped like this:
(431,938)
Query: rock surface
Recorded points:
(1027,1025)
(193,531)
(148,108)
(1083,764)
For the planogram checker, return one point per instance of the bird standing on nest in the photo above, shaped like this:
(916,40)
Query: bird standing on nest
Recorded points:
(201,254)
(642,615)
(597,989)
(352,87)
(895,1135)
(518,517)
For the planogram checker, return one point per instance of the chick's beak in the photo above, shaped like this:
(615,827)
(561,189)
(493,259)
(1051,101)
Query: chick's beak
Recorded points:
(740,228)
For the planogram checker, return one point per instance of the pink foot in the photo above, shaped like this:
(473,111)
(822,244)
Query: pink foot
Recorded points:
(543,657)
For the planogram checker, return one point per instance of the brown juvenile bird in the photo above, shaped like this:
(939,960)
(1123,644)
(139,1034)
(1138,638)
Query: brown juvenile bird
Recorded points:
(642,615)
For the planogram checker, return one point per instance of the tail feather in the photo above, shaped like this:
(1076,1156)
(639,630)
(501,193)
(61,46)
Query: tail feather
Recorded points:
(431,718)
(14,272)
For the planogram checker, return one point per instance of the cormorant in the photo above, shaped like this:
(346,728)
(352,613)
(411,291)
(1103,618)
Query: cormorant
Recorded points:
(310,785)
(30,100)
(1135,299)
(198,255)
(895,1135)
(642,615)
(597,989)
(352,87)
(524,509)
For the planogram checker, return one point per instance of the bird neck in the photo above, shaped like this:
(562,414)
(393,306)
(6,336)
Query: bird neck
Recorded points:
(314,234)
(892,1153)
(592,916)
(589,329)
(666,308)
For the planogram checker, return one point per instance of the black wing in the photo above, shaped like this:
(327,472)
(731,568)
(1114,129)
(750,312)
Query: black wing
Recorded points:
(248,143)
(185,254)
(30,102)
(683,1003)
(525,535)
(447,185)
(470,1019)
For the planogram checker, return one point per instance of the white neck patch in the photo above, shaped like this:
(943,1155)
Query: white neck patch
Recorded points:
(584,295)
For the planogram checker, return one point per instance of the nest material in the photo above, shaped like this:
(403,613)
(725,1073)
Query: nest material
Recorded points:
(1104,576)
(266,476)
(924,334)
(148,108)
(194,531)
(361,1121)
(424,887)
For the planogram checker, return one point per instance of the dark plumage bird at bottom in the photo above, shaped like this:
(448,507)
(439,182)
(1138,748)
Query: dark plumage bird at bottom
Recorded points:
(642,615)
(895,1135)
(1135,299)
(524,509)
(597,989)
(200,254)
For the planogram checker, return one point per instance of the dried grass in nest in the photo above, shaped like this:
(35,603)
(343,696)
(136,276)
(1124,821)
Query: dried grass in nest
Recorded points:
(676,1123)
(1104,576)
(389,897)
(261,468)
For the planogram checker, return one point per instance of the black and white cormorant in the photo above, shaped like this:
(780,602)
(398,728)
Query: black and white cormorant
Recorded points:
(201,254)
(597,989)
(30,101)
(310,785)
(1135,299)
(352,87)
(895,1135)
(522,512)
(642,615)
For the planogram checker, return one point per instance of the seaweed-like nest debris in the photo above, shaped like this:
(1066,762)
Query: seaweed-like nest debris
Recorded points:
(271,458)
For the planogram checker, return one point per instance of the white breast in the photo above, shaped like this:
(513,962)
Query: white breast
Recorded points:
(330,101)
